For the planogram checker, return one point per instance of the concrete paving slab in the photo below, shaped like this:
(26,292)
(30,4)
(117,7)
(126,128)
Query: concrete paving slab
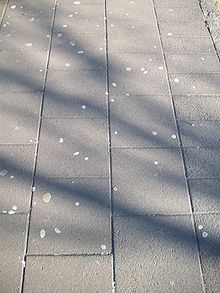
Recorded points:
(16,176)
(148,181)
(29,10)
(69,59)
(199,63)
(208,235)
(177,3)
(137,83)
(199,133)
(144,126)
(179,14)
(136,62)
(202,162)
(205,194)
(19,117)
(68,274)
(187,45)
(22,34)
(130,10)
(123,36)
(75,215)
(162,255)
(184,28)
(62,138)
(62,83)
(12,233)
(197,107)
(197,84)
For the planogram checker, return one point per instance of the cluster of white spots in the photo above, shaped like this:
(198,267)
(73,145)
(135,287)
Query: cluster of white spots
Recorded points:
(142,69)
(76,154)
(77,203)
(154,133)
(61,140)
(80,52)
(160,67)
(114,84)
(42,233)
(83,107)
(11,212)
(115,188)
(76,2)
(176,80)
(58,231)
(173,136)
(72,43)
(170,34)
(13,6)
(64,25)
(31,19)
(12,177)
(112,100)
(128,68)
(116,132)
(103,246)
(28,45)
(67,64)
(47,197)
(156,162)
(86,158)
(59,35)
(3,172)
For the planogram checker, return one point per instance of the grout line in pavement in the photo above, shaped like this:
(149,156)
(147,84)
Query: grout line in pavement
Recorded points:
(67,254)
(182,153)
(36,151)
(109,146)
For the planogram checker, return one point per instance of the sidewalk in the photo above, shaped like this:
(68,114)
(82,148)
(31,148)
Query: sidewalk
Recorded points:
(109,148)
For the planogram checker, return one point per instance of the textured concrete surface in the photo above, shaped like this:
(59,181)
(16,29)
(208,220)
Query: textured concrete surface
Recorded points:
(109,147)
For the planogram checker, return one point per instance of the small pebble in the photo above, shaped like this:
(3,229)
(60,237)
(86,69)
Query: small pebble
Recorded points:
(61,140)
(42,233)
(57,230)
(204,234)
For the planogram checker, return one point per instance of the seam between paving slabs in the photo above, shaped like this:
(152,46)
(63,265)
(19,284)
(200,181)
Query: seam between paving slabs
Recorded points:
(3,13)
(181,151)
(36,151)
(109,146)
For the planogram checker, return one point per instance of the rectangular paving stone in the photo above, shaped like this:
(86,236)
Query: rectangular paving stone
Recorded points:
(12,233)
(205,194)
(62,139)
(19,117)
(86,20)
(16,165)
(197,107)
(184,28)
(162,255)
(75,83)
(75,215)
(132,10)
(177,3)
(23,34)
(136,62)
(196,84)
(187,45)
(68,274)
(199,133)
(61,59)
(123,36)
(148,181)
(208,235)
(202,162)
(179,14)
(142,121)
(202,63)
(137,83)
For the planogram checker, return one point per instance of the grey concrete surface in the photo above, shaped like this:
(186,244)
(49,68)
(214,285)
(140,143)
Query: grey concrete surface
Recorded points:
(109,147)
